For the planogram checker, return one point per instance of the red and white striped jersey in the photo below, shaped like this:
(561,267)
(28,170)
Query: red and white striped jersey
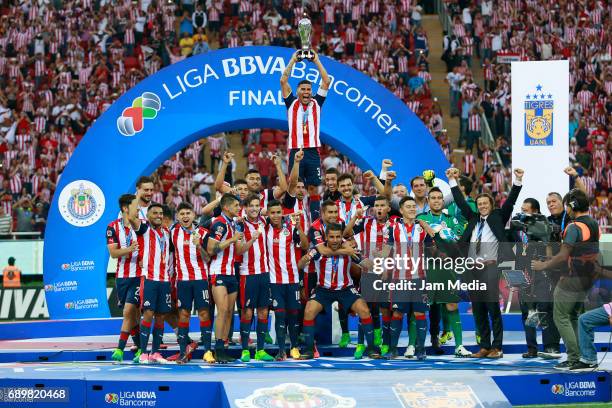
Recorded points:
(370,235)
(474,122)
(283,253)
(333,272)
(302,205)
(304,121)
(407,241)
(189,262)
(254,261)
(221,229)
(154,253)
(469,164)
(346,209)
(123,235)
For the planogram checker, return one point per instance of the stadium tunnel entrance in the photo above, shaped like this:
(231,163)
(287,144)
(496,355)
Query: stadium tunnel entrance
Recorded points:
(198,97)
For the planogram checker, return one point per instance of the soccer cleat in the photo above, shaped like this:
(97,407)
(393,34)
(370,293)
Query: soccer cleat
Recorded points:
(316,352)
(372,353)
(246,356)
(409,352)
(117,355)
(446,337)
(220,357)
(144,359)
(281,356)
(307,355)
(182,360)
(377,337)
(344,340)
(269,339)
(420,354)
(582,367)
(359,351)
(295,353)
(462,352)
(531,353)
(174,357)
(390,354)
(435,345)
(384,349)
(261,355)
(157,358)
(136,358)
(209,357)
(191,347)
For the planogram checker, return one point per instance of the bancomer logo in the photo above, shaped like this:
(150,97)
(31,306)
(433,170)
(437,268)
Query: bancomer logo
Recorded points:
(77,266)
(575,389)
(63,286)
(82,304)
(132,398)
(132,119)
(274,66)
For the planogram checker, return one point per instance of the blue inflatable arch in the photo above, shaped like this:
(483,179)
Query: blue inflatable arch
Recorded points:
(224,90)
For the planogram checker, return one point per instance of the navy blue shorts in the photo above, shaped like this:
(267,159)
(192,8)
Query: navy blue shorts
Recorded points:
(255,291)
(190,293)
(285,296)
(345,297)
(156,296)
(310,166)
(309,283)
(128,291)
(229,281)
(410,307)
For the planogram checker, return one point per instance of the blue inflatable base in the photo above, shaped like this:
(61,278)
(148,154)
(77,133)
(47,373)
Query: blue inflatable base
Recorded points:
(51,393)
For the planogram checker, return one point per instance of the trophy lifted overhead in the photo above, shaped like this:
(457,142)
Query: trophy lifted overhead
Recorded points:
(305,32)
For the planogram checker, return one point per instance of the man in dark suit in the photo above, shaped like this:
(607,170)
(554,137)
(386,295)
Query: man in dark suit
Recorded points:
(484,237)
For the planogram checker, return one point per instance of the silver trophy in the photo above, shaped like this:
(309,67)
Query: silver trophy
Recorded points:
(305,31)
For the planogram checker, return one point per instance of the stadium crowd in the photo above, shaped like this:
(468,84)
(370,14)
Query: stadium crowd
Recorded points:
(500,31)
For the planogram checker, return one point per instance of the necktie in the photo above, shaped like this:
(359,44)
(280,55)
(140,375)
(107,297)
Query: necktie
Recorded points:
(479,234)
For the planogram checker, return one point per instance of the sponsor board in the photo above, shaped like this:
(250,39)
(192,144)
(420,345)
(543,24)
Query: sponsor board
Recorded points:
(31,304)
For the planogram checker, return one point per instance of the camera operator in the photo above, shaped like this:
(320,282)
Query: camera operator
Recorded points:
(530,230)
(580,249)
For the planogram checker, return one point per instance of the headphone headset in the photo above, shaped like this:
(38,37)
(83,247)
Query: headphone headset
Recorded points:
(576,202)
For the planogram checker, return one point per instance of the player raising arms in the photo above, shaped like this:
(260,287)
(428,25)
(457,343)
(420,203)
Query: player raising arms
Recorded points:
(154,255)
(304,118)
(192,281)
(406,239)
(334,284)
(123,246)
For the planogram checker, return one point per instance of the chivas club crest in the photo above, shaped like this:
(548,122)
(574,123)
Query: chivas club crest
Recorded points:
(292,395)
(81,203)
(539,108)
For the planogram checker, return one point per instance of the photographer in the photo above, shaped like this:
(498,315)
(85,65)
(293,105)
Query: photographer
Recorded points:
(530,229)
(580,246)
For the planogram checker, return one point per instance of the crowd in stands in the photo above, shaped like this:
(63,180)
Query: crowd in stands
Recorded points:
(63,63)
(499,31)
